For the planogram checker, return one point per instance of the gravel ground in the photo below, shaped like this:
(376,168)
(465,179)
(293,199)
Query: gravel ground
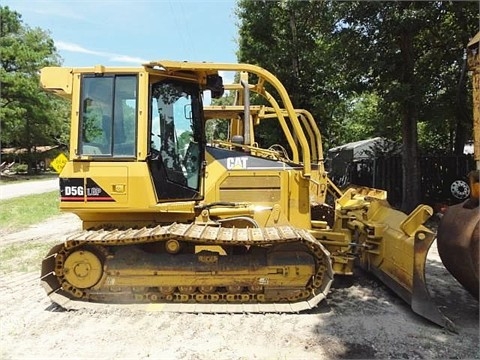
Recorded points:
(360,320)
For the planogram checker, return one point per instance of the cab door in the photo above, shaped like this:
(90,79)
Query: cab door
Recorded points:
(176,141)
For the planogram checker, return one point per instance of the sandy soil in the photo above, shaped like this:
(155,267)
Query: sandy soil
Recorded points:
(361,320)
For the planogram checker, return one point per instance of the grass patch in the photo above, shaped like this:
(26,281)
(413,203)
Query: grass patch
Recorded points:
(21,212)
(24,256)
(27,210)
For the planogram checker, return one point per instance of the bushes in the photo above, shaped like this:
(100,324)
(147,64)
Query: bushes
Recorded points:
(20,168)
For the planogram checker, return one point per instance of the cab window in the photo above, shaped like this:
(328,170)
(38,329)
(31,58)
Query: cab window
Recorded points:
(108,116)
(176,132)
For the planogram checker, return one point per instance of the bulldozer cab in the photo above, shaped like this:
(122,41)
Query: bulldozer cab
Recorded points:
(127,115)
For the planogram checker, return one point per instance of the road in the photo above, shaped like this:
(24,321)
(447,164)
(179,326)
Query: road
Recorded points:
(8,191)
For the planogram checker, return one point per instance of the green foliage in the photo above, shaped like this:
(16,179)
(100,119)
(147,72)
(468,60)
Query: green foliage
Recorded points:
(27,210)
(20,168)
(412,56)
(358,118)
(217,129)
(129,122)
(183,140)
(29,116)
(92,126)
(432,138)
(411,51)
(292,40)
(330,55)
(367,69)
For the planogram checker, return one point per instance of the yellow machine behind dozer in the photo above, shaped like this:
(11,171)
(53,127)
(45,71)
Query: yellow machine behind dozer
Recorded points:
(459,229)
(182,224)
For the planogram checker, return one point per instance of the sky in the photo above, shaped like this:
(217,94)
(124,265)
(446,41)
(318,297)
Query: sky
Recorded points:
(129,33)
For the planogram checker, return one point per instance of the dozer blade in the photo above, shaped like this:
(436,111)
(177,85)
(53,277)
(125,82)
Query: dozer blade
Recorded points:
(396,251)
(458,244)
(421,301)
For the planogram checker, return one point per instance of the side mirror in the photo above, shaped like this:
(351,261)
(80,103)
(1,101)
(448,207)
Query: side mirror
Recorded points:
(215,85)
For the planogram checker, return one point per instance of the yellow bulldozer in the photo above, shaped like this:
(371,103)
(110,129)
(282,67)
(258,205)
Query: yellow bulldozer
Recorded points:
(180,221)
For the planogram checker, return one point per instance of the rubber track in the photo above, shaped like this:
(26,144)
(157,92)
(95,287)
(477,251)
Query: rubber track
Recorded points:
(201,235)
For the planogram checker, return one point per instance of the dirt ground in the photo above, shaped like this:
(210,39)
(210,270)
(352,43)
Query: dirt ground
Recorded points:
(360,320)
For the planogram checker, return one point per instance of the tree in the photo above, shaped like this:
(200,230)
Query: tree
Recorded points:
(413,55)
(448,100)
(217,129)
(403,57)
(292,40)
(29,116)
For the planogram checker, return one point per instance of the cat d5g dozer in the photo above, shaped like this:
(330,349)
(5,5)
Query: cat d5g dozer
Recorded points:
(173,222)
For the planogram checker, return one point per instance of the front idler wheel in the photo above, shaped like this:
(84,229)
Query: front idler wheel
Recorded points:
(83,269)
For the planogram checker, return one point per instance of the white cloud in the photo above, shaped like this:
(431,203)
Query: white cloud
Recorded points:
(76,48)
(71,47)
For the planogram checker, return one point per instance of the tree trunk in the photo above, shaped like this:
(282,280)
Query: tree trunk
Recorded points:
(463,112)
(462,116)
(411,171)
(28,144)
(295,62)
